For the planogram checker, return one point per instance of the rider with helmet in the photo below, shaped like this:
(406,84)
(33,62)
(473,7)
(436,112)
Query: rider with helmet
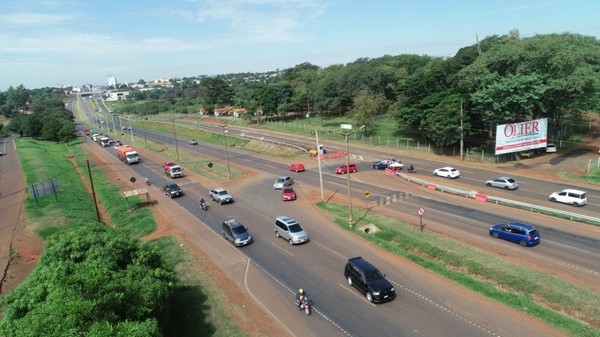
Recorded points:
(300,296)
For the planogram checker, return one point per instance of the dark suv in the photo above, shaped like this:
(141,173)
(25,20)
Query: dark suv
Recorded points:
(368,280)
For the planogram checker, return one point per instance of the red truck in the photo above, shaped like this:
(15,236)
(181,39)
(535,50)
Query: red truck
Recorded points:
(172,170)
(128,154)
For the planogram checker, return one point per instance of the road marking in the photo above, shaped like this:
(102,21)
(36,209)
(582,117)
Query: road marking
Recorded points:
(274,244)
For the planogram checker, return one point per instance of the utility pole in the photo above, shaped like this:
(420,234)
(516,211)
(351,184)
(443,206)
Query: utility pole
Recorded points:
(462,134)
(319,161)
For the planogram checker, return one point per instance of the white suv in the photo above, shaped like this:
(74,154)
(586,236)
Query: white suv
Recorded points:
(569,196)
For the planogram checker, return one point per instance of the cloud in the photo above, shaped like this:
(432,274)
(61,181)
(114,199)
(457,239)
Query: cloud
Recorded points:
(34,19)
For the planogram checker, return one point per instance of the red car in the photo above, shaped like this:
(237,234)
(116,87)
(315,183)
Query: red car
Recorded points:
(296,167)
(288,194)
(343,169)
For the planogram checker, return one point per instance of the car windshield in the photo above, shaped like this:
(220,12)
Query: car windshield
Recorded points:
(177,169)
(238,230)
(288,190)
(374,276)
(295,228)
(223,192)
(172,186)
(511,180)
(280,180)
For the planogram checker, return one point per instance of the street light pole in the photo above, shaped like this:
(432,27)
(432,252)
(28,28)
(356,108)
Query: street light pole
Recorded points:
(175,136)
(226,151)
(348,173)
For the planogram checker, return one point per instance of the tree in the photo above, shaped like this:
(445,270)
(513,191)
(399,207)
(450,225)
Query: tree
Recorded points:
(17,97)
(92,281)
(365,107)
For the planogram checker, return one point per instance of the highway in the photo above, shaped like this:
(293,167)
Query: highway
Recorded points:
(426,305)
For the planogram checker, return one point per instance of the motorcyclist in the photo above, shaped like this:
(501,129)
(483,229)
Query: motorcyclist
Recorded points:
(300,296)
(147,181)
(202,203)
(411,168)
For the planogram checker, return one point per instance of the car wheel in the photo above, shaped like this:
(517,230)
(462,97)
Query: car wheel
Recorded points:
(277,234)
(369,297)
(435,174)
(523,243)
(553,199)
(495,235)
(506,188)
(349,279)
(220,202)
(488,184)
(291,242)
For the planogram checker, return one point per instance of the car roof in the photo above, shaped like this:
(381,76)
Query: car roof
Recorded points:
(519,224)
(233,222)
(172,184)
(447,168)
(571,190)
(361,263)
(218,189)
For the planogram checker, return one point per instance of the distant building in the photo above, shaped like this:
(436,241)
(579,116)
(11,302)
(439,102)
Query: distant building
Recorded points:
(112,81)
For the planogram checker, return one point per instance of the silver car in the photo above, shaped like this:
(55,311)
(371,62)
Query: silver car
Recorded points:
(503,182)
(289,229)
(283,181)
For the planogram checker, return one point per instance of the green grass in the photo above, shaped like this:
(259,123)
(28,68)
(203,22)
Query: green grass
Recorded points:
(199,306)
(516,286)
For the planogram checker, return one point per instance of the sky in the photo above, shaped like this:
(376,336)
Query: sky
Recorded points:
(48,43)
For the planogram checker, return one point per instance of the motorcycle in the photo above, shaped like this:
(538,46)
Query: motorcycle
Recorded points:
(204,205)
(411,169)
(305,304)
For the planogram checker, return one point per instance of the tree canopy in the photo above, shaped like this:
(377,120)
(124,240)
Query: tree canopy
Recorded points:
(92,281)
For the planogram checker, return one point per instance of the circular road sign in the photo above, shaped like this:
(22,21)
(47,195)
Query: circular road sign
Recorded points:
(421,211)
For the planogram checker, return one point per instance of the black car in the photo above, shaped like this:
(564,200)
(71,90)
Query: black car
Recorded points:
(368,280)
(172,190)
(380,165)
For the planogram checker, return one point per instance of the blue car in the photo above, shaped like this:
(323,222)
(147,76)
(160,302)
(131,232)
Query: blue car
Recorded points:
(523,234)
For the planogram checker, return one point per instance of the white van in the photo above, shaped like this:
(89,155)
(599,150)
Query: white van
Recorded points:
(569,196)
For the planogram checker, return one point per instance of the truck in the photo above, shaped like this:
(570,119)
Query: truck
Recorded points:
(172,170)
(127,154)
(104,141)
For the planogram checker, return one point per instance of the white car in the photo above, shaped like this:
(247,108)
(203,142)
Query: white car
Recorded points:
(569,196)
(447,172)
(550,148)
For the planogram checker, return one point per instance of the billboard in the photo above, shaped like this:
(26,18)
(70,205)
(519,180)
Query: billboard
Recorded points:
(521,136)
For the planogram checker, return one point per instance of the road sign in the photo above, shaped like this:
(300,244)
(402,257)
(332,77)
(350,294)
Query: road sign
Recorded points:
(421,211)
(346,126)
(367,194)
(197,122)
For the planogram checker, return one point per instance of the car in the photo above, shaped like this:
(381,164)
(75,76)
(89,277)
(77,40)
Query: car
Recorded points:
(367,279)
(447,172)
(193,142)
(550,148)
(290,230)
(523,234)
(1,154)
(117,143)
(503,182)
(283,181)
(380,165)
(296,167)
(167,164)
(569,196)
(236,232)
(221,196)
(288,194)
(343,169)
(172,190)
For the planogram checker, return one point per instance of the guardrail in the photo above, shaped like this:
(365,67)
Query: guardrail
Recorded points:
(501,201)
(263,139)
